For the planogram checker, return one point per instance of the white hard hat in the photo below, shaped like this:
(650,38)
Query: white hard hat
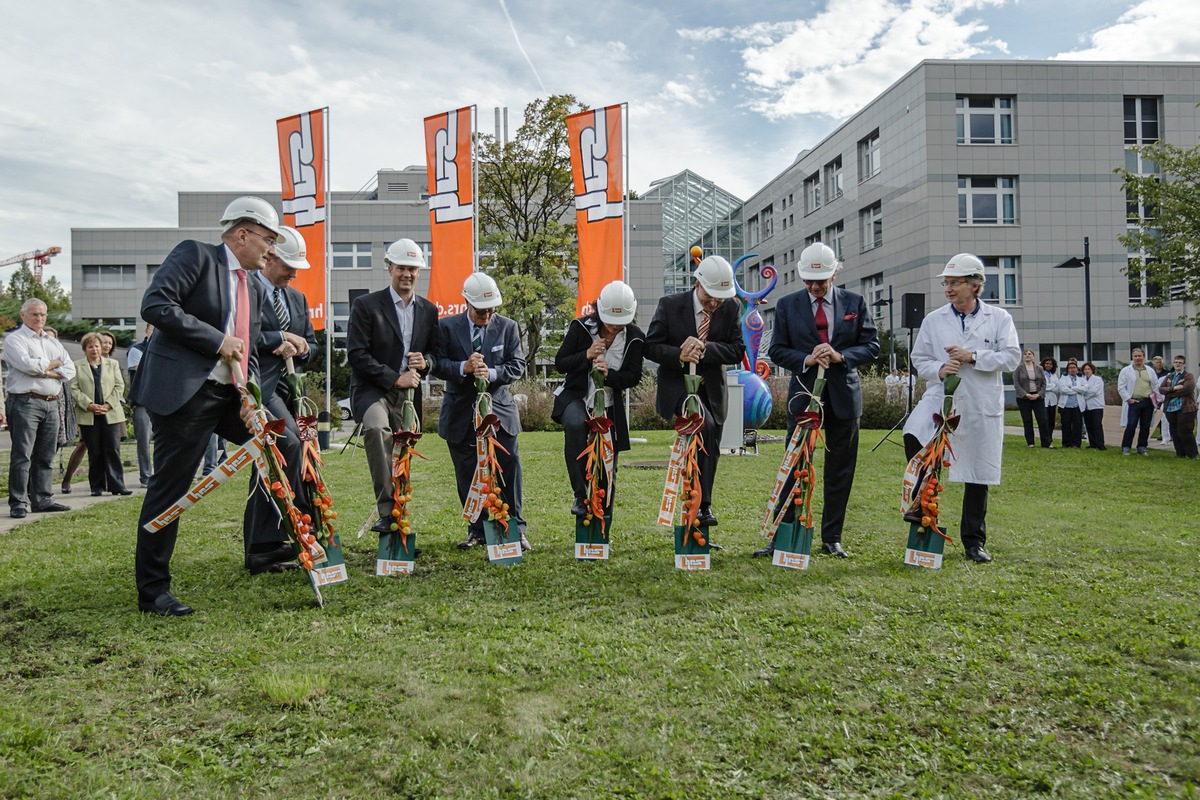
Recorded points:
(963,265)
(292,249)
(481,291)
(716,276)
(617,305)
(818,262)
(252,208)
(405,253)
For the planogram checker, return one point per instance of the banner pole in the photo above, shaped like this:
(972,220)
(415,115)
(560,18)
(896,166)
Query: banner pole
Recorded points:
(328,278)
(475,188)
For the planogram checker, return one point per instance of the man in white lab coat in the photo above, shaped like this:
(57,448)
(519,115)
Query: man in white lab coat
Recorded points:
(977,342)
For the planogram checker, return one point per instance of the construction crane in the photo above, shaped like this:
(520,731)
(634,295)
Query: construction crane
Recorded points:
(37,259)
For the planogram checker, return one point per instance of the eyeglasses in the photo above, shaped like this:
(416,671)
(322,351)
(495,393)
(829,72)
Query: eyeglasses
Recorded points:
(483,312)
(270,240)
(952,283)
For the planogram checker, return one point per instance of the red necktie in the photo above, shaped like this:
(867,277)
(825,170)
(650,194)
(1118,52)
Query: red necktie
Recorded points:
(822,321)
(241,318)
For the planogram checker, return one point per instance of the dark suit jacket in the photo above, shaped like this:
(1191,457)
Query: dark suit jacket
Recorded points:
(501,350)
(852,334)
(188,305)
(272,368)
(674,321)
(572,361)
(375,349)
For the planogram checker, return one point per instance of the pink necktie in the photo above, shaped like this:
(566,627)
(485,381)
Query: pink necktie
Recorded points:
(241,319)
(822,321)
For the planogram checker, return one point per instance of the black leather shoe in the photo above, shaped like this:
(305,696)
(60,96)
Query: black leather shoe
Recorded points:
(706,518)
(66,488)
(123,493)
(579,509)
(766,552)
(281,559)
(52,507)
(834,549)
(17,513)
(979,555)
(165,605)
(383,525)
(472,540)
(525,545)
(97,494)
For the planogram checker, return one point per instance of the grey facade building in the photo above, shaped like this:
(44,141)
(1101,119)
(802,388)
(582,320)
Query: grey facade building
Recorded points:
(1012,161)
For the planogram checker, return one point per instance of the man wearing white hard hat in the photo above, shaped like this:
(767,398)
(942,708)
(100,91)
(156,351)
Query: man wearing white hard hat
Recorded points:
(700,327)
(390,342)
(608,341)
(286,332)
(206,310)
(479,342)
(823,326)
(978,343)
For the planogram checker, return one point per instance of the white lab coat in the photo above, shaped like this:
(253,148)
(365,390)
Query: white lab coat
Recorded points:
(1067,387)
(978,443)
(1092,396)
(1051,388)
(1126,380)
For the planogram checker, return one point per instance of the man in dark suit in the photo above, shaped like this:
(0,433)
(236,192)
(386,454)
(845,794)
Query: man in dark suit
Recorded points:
(480,342)
(206,311)
(287,332)
(389,334)
(698,327)
(822,326)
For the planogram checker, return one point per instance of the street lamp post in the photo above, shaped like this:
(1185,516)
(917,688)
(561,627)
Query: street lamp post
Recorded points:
(891,330)
(1074,262)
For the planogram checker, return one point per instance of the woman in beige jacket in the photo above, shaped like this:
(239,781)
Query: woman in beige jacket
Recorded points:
(97,388)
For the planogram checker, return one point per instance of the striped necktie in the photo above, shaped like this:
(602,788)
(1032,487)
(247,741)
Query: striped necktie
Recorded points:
(702,331)
(281,309)
(477,339)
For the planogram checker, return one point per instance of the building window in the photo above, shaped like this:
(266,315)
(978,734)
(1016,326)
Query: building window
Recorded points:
(1137,212)
(835,237)
(1152,349)
(1003,274)
(122,276)
(351,255)
(150,270)
(768,222)
(868,156)
(1102,354)
(1141,289)
(987,201)
(872,291)
(812,193)
(833,180)
(816,237)
(984,120)
(872,226)
(752,231)
(1141,120)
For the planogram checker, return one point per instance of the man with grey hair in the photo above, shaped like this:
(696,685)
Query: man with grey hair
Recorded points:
(38,367)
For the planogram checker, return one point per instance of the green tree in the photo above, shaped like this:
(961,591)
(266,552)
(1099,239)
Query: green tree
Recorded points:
(24,286)
(525,193)
(1168,206)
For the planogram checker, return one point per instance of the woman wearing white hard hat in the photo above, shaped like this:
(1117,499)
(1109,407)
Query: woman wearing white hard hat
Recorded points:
(978,342)
(608,341)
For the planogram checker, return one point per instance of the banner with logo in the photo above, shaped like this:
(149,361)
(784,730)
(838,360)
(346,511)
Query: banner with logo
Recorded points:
(302,163)
(597,148)
(451,172)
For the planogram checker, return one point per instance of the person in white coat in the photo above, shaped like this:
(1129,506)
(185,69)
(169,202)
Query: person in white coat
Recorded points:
(1136,384)
(977,342)
(1050,368)
(1093,406)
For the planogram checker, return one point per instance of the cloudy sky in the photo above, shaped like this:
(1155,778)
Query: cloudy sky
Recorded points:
(108,109)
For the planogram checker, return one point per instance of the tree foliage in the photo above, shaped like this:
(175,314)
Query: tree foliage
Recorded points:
(525,193)
(23,286)
(1170,235)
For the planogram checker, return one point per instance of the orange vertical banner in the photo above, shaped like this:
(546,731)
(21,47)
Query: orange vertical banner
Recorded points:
(451,175)
(596,150)
(302,161)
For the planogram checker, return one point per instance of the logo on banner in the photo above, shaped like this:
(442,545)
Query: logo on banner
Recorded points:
(301,154)
(444,200)
(593,151)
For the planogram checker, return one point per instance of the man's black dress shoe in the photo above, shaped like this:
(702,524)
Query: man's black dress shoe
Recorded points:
(834,549)
(281,559)
(767,551)
(706,518)
(383,525)
(579,509)
(165,605)
(52,507)
(123,492)
(66,488)
(17,513)
(97,494)
(979,555)
(472,540)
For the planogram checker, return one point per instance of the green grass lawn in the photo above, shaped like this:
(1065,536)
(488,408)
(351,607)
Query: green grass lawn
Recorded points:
(1066,668)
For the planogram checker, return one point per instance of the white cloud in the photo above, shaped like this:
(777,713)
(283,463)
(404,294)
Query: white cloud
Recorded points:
(1153,30)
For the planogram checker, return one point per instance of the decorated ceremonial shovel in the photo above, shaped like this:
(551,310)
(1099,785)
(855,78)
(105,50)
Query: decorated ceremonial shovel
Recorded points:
(484,500)
(333,570)
(794,488)
(683,479)
(923,487)
(398,549)
(592,530)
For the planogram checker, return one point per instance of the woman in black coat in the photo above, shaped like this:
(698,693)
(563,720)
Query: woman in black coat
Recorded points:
(608,341)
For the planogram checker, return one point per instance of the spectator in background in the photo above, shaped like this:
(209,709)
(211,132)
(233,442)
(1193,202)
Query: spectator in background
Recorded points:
(1135,384)
(1050,370)
(1179,391)
(69,430)
(892,382)
(1029,383)
(1160,419)
(97,390)
(1092,399)
(141,419)
(1070,405)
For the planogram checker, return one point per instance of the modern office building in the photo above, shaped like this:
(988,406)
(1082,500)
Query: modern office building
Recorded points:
(1012,161)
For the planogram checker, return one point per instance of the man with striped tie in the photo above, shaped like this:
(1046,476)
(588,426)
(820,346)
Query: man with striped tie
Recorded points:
(698,327)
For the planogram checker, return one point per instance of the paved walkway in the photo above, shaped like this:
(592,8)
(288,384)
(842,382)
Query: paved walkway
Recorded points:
(1112,433)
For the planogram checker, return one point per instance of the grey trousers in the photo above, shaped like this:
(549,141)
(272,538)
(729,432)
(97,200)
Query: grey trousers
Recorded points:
(144,435)
(378,424)
(33,425)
